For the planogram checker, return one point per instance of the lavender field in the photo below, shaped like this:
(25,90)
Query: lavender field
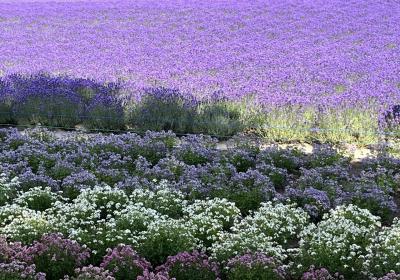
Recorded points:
(334,65)
(199,140)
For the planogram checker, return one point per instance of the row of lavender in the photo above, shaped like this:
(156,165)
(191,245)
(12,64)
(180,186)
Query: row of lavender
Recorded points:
(248,211)
(314,64)
(63,102)
(312,52)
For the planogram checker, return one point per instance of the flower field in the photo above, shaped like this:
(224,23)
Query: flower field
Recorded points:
(96,206)
(112,117)
(283,69)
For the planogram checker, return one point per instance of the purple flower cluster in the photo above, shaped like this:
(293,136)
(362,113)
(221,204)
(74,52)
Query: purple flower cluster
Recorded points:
(55,255)
(190,265)
(320,274)
(18,270)
(124,263)
(251,266)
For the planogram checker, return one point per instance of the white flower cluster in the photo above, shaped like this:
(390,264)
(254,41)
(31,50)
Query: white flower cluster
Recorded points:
(7,187)
(339,242)
(231,244)
(210,217)
(220,209)
(164,199)
(135,219)
(10,212)
(267,230)
(282,223)
(38,198)
(26,227)
(383,254)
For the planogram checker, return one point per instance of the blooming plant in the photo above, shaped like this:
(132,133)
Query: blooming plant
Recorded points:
(19,270)
(155,244)
(124,263)
(90,273)
(339,242)
(253,266)
(56,256)
(190,265)
(383,254)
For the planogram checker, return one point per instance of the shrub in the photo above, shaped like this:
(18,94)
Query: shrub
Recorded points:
(370,196)
(134,219)
(6,102)
(196,149)
(195,265)
(18,270)
(163,199)
(91,273)
(164,109)
(224,211)
(242,159)
(390,276)
(105,111)
(314,201)
(9,251)
(27,227)
(7,189)
(73,184)
(28,180)
(155,243)
(230,244)
(37,198)
(124,263)
(104,198)
(320,274)
(56,256)
(253,266)
(383,254)
(147,275)
(45,100)
(290,159)
(10,212)
(247,190)
(283,223)
(339,241)
(219,117)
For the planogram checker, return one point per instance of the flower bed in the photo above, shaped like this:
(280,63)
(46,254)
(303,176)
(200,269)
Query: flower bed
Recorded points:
(162,207)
